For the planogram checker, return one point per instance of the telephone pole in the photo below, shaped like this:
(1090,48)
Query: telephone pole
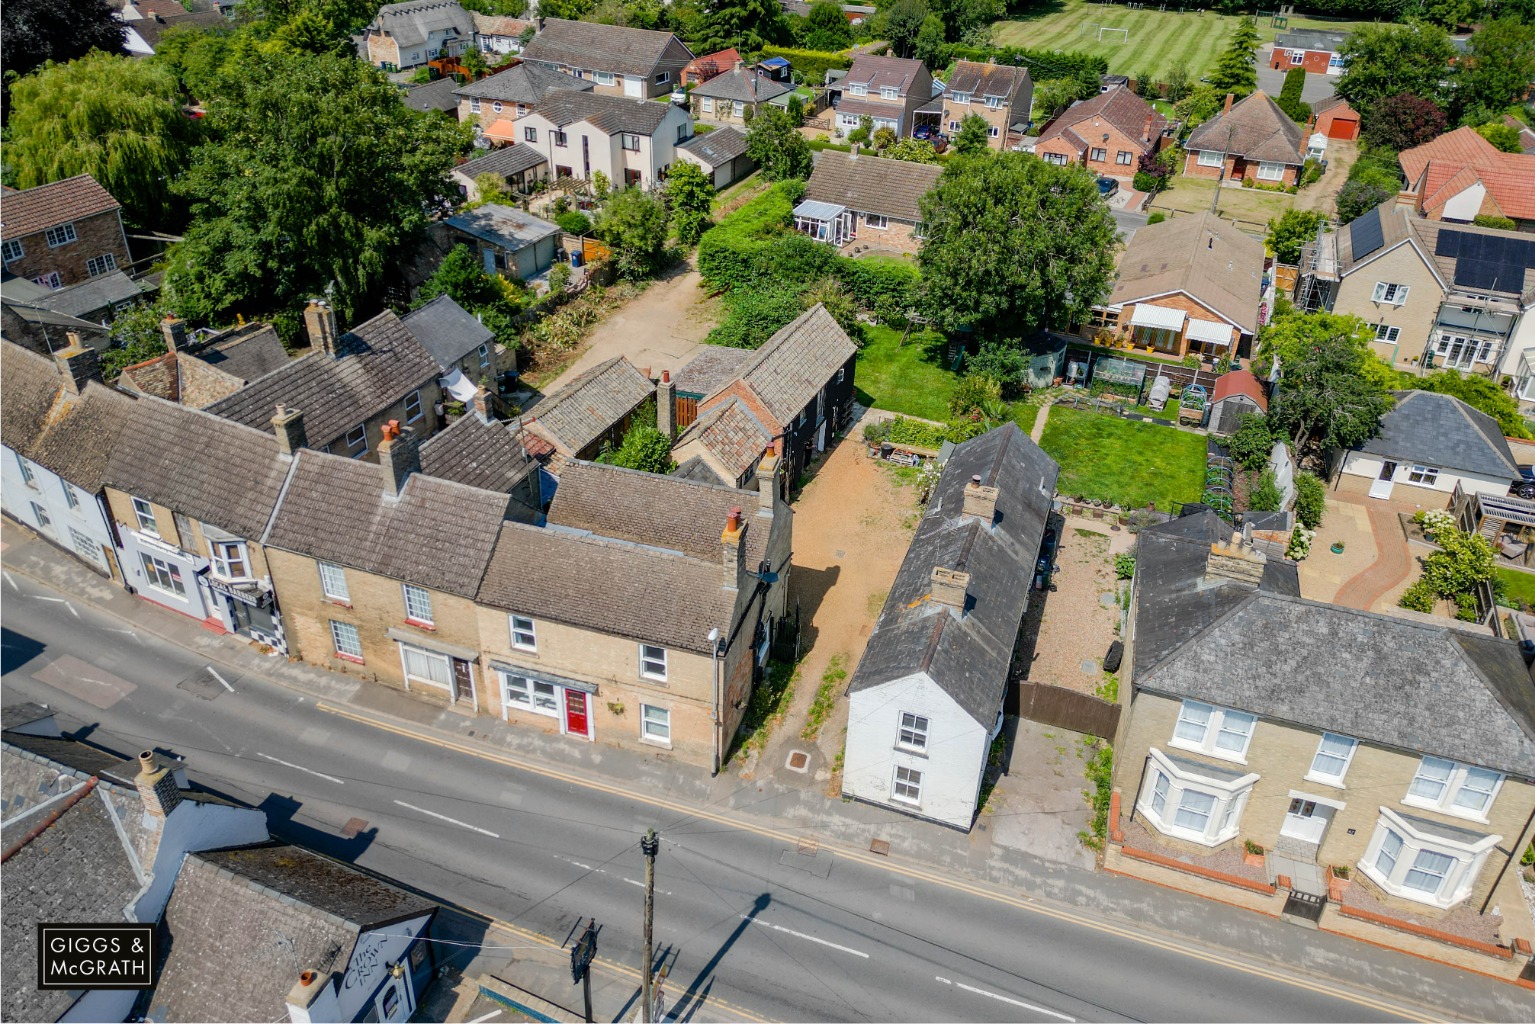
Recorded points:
(649,845)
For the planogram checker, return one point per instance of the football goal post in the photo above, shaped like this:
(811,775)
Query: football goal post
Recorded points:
(1124,34)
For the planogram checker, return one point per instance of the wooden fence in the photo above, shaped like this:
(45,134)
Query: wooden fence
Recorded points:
(1067,709)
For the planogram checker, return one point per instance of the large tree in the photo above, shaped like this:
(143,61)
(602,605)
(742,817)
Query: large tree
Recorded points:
(690,195)
(1236,68)
(1496,71)
(318,178)
(1013,243)
(112,117)
(775,144)
(1387,60)
(33,32)
(1331,393)
(826,28)
(973,135)
(747,25)
(634,224)
(1290,232)
(1402,122)
(901,23)
(966,17)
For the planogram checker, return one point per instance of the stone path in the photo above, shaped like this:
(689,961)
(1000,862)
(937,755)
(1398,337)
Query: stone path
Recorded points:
(1392,565)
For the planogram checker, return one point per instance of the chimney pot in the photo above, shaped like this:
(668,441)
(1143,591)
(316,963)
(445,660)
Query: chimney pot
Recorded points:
(948,587)
(733,550)
(666,405)
(398,456)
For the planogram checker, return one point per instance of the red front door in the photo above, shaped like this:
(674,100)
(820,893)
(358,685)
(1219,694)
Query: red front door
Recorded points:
(575,712)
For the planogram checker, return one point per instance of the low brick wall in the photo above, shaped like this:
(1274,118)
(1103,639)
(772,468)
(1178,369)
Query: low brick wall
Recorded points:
(1397,924)
(1193,869)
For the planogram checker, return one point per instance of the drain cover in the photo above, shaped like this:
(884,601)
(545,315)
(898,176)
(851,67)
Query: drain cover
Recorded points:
(799,761)
(880,846)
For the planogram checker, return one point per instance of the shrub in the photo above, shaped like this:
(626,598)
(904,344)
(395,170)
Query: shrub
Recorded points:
(810,66)
(1300,543)
(1253,441)
(1311,173)
(1124,566)
(1144,182)
(915,432)
(1434,520)
(974,392)
(873,281)
(1492,220)
(754,314)
(1419,597)
(559,278)
(574,223)
(1465,608)
(1310,500)
(1156,217)
(1004,363)
(1266,497)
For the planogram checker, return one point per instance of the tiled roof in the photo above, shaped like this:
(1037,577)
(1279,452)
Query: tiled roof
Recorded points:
(711,369)
(498,25)
(1254,128)
(153,29)
(91,294)
(380,364)
(180,377)
(447,330)
(732,435)
(36,209)
(608,114)
(1526,133)
(744,85)
(1120,107)
(438,95)
(870,106)
(882,72)
(794,364)
(247,352)
(891,188)
(628,51)
(717,147)
(982,80)
(715,63)
(506,161)
(525,83)
(1440,430)
(71,437)
(591,404)
(484,455)
(968,653)
(1509,177)
(411,24)
(435,533)
(1200,254)
(1240,382)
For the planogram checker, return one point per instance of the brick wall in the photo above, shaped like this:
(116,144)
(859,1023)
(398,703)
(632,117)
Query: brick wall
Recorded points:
(997,117)
(94,236)
(1236,169)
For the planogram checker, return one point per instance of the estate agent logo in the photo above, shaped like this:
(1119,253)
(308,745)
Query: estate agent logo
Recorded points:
(76,956)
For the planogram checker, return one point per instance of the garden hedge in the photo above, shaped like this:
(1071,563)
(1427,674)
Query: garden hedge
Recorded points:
(1042,64)
(810,66)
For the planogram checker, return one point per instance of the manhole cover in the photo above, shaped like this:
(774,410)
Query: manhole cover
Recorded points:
(352,827)
(880,846)
(799,761)
(1089,667)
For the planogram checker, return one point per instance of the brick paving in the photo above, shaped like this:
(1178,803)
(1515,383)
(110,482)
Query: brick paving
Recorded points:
(1392,564)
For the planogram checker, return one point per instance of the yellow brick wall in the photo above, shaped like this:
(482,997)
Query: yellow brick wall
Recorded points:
(1415,317)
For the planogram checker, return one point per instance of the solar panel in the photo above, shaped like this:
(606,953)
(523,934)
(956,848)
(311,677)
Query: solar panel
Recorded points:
(1490,262)
(1449,243)
(1366,233)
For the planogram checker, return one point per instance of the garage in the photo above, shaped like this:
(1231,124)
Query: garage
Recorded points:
(1336,119)
(1346,128)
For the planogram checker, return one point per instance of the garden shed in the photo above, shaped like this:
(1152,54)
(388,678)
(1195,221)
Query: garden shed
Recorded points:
(1236,394)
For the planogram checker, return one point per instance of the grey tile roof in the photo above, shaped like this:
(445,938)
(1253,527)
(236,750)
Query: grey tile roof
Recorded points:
(891,188)
(484,455)
(628,51)
(794,364)
(717,147)
(72,437)
(506,226)
(243,923)
(438,95)
(447,330)
(1440,430)
(90,295)
(411,24)
(506,161)
(152,30)
(435,533)
(608,114)
(592,403)
(247,352)
(32,386)
(1207,257)
(380,364)
(982,80)
(1255,128)
(526,83)
(967,655)
(743,85)
(732,435)
(698,470)
(18,716)
(711,369)
(1310,39)
(204,467)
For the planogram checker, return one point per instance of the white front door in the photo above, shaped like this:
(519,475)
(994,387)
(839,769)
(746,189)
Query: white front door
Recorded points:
(394,1001)
(1306,820)
(1381,488)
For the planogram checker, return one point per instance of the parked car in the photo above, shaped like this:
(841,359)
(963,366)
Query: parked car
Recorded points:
(1524,487)
(1107,187)
(925,132)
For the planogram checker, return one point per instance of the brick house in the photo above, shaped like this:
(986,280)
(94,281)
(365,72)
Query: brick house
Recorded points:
(887,90)
(866,199)
(1317,50)
(199,373)
(632,62)
(63,233)
(1000,94)
(512,94)
(1253,139)
(631,141)
(1108,134)
(408,35)
(1398,748)
(726,98)
(579,645)
(1460,175)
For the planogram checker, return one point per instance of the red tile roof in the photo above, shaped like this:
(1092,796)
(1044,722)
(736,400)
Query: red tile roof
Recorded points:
(1120,107)
(37,209)
(1241,382)
(1509,177)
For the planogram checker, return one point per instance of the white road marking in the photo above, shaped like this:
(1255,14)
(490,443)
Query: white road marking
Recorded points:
(51,600)
(1005,999)
(807,938)
(631,881)
(131,634)
(301,768)
(9,580)
(444,817)
(489,1016)
(221,679)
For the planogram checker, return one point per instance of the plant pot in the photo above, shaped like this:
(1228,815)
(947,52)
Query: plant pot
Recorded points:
(1336,887)
(1253,860)
(1337,547)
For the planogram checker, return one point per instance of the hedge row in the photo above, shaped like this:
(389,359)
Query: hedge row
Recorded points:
(1388,10)
(1042,64)
(810,66)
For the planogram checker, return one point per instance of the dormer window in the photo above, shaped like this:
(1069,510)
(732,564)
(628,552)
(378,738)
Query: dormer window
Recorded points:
(889,92)
(961,97)
(858,90)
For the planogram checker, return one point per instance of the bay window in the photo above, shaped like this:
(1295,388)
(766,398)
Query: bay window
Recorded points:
(1198,802)
(1424,861)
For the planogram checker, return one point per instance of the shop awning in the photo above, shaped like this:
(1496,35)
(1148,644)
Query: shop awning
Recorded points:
(459,386)
(1157,316)
(1209,331)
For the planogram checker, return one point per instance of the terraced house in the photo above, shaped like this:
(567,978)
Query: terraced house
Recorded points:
(632,62)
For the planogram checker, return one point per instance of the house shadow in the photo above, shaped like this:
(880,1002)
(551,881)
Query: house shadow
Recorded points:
(1026,648)
(282,815)
(17,650)
(808,588)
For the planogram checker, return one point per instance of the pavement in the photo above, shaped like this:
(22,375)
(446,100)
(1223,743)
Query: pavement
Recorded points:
(770,903)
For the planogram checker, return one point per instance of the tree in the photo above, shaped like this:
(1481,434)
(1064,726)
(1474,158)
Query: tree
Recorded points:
(634,225)
(826,28)
(1289,96)
(1200,105)
(1356,198)
(747,25)
(1504,137)
(973,136)
(1325,399)
(1480,393)
(1451,14)
(1013,244)
(903,21)
(1251,443)
(968,20)
(1236,68)
(569,10)
(931,46)
(644,447)
(1177,81)
(1403,121)
(461,276)
(318,178)
(115,118)
(1496,71)
(775,145)
(474,62)
(839,302)
(1290,232)
(135,337)
(33,32)
(691,198)
(1054,95)
(309,31)
(1388,59)
(915,151)
(860,136)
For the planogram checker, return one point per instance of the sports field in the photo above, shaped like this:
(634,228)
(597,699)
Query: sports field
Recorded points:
(1156,39)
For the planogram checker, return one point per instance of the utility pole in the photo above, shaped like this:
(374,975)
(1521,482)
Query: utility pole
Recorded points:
(650,843)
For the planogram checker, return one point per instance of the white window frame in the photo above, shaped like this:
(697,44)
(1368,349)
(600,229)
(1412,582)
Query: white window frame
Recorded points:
(474,104)
(1392,830)
(889,92)
(1318,771)
(604,78)
(858,90)
(484,354)
(1218,723)
(738,109)
(497,106)
(993,132)
(960,97)
(14,250)
(1209,158)
(85,546)
(912,731)
(1390,293)
(356,441)
(41,517)
(72,499)
(656,724)
(145,514)
(98,265)
(953,126)
(1297,56)
(1163,793)
(1386,333)
(1456,775)
(418,604)
(1124,157)
(426,656)
(906,785)
(225,555)
(1423,476)
(876,221)
(527,694)
(154,568)
(414,399)
(1270,171)
(333,582)
(649,658)
(63,234)
(663,77)
(1098,154)
(1458,352)
(49,280)
(993,102)
(706,104)
(523,632)
(1335,60)
(27,476)
(1058,159)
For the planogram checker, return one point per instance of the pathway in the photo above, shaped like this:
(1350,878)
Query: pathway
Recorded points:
(1392,565)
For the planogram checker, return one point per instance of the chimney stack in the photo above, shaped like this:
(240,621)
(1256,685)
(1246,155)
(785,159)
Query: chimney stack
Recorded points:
(733,549)
(288,425)
(398,456)
(1146,132)
(312,999)
(980,501)
(485,405)
(666,405)
(78,364)
(175,331)
(156,785)
(1227,108)
(1231,561)
(767,481)
(948,587)
(320,322)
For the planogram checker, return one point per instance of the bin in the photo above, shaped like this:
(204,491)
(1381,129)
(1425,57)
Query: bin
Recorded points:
(576,258)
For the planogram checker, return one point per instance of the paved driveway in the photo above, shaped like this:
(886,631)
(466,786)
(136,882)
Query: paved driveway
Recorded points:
(1318,87)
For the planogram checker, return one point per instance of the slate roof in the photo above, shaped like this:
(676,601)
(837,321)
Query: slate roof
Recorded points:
(479,454)
(794,364)
(1258,130)
(967,655)
(607,113)
(91,294)
(1440,430)
(447,330)
(506,161)
(380,364)
(982,80)
(881,72)
(744,85)
(890,188)
(627,51)
(71,437)
(411,24)
(1310,39)
(243,923)
(590,404)
(153,29)
(1206,257)
(717,147)
(247,352)
(711,369)
(506,226)
(438,95)
(436,533)
(732,435)
(1119,106)
(30,210)
(526,83)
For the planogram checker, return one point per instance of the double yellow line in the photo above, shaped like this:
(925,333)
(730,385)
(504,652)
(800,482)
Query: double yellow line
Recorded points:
(882,863)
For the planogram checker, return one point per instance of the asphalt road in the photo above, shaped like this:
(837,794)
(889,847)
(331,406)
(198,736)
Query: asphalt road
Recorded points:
(744,917)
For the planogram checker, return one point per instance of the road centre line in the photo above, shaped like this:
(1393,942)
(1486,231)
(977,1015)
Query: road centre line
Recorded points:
(802,935)
(214,673)
(451,821)
(1005,999)
(892,866)
(301,768)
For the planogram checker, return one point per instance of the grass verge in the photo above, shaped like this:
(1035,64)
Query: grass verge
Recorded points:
(769,701)
(825,697)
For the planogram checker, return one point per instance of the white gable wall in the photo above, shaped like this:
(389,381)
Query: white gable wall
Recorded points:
(1465,205)
(44,505)
(588,150)
(1367,465)
(951,765)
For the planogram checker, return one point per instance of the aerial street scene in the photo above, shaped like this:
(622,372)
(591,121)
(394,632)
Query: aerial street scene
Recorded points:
(677,511)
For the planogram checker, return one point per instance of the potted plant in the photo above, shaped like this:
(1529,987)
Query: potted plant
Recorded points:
(1254,856)
(1337,547)
(1338,882)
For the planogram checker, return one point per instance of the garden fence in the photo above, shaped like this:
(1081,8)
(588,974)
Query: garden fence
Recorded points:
(1067,709)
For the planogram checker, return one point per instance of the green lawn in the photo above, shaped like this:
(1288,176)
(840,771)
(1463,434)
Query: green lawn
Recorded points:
(908,378)
(1123,461)
(1251,208)
(1157,39)
(1518,587)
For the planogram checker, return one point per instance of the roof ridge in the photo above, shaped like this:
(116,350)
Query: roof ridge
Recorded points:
(76,795)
